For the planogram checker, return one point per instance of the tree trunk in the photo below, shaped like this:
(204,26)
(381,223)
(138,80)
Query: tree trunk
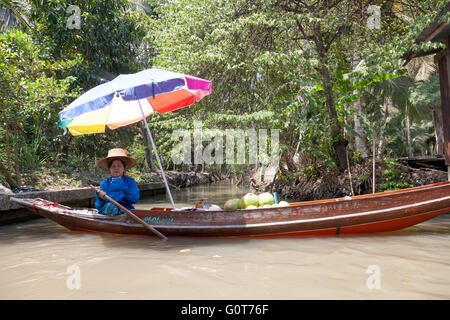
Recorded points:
(63,150)
(338,141)
(408,132)
(359,143)
(9,179)
(374,157)
(384,112)
(149,154)
(439,133)
(16,154)
(288,158)
(149,163)
(8,147)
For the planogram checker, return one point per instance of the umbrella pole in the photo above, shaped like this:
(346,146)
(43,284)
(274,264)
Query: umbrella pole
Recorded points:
(157,156)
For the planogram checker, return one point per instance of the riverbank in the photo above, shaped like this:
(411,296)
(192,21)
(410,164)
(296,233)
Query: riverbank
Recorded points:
(304,185)
(329,183)
(73,190)
(65,179)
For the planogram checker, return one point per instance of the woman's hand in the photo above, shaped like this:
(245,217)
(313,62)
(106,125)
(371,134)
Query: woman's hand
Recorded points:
(101,194)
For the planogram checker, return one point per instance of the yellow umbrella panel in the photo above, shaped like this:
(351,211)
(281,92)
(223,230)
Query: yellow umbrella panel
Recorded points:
(118,114)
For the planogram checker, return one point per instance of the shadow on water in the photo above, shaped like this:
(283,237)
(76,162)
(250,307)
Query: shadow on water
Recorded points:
(172,243)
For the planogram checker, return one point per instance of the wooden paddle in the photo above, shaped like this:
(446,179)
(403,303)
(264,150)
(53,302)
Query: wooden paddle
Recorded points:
(131,214)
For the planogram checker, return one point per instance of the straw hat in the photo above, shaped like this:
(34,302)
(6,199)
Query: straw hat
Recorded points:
(114,154)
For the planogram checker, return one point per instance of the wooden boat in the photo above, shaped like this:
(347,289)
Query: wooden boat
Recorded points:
(380,212)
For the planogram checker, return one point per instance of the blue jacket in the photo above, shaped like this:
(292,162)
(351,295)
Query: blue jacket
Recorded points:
(124,190)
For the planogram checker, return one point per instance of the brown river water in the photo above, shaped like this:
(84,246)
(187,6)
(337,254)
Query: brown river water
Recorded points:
(42,260)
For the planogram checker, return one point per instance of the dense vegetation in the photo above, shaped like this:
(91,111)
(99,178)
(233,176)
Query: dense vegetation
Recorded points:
(327,74)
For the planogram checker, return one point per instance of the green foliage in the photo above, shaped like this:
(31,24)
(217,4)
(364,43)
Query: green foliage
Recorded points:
(422,135)
(364,177)
(261,56)
(31,94)
(425,95)
(357,157)
(393,178)
(259,60)
(108,38)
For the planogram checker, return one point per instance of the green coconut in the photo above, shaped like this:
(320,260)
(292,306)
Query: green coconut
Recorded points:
(251,207)
(249,199)
(232,204)
(283,204)
(265,199)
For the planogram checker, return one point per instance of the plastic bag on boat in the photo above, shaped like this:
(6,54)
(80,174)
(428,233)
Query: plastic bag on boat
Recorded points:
(213,207)
(186,209)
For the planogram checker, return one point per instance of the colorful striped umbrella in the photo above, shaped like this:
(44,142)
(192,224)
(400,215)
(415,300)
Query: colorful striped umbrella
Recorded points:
(130,98)
(118,102)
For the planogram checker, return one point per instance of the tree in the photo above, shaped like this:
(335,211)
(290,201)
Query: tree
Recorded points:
(106,34)
(105,39)
(295,59)
(29,95)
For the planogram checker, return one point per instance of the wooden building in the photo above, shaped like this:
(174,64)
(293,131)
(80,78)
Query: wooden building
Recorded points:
(439,31)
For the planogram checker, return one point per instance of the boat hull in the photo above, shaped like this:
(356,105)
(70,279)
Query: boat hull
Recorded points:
(382,212)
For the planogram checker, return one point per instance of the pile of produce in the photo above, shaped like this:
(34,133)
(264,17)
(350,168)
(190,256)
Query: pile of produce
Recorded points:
(253,201)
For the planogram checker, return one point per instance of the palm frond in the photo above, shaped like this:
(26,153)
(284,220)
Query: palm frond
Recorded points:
(421,68)
(12,12)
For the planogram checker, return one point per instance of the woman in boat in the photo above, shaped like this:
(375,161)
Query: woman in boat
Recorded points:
(118,186)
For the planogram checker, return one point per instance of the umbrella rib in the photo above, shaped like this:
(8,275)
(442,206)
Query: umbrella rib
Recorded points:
(109,113)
